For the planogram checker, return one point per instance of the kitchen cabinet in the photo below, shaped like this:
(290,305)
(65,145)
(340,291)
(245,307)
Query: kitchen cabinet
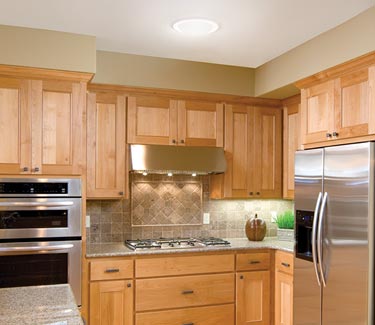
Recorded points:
(111,292)
(337,105)
(291,142)
(253,152)
(253,298)
(166,286)
(43,126)
(106,147)
(163,121)
(283,288)
(253,288)
(209,288)
(111,303)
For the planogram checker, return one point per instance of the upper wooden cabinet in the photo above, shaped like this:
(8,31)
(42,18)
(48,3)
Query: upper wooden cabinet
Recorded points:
(153,120)
(43,127)
(106,147)
(15,126)
(292,142)
(253,151)
(338,105)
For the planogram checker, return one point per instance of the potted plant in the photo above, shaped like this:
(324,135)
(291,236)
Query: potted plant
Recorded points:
(285,226)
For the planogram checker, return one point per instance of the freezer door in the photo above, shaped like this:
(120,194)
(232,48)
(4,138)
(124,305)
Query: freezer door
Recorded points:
(308,185)
(345,234)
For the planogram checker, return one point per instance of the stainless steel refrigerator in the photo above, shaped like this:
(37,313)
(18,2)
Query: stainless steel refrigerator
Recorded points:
(334,253)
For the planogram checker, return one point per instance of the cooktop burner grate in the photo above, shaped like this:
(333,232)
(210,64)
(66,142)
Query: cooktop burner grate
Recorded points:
(175,243)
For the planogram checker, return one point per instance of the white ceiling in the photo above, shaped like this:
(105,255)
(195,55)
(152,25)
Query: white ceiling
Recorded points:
(251,32)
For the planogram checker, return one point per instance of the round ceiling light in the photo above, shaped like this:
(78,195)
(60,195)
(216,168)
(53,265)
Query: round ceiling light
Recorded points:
(195,26)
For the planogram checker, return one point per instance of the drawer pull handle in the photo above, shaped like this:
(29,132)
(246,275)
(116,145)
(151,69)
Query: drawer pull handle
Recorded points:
(285,264)
(254,262)
(187,292)
(112,270)
(188,324)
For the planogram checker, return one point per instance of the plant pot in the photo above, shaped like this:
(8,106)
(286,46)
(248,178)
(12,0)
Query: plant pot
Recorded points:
(285,234)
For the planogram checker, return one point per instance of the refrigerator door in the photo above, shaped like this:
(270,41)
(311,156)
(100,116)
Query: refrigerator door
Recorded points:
(308,185)
(345,244)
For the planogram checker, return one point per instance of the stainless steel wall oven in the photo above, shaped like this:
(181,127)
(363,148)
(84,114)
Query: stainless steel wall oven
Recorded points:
(40,232)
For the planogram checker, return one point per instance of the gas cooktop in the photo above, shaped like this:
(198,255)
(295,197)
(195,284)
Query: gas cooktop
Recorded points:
(175,243)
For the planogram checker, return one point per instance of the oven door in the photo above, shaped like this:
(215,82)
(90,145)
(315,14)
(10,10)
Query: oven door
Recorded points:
(41,263)
(40,217)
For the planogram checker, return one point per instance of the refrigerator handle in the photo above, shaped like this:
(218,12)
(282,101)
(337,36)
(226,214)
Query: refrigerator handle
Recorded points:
(313,237)
(319,239)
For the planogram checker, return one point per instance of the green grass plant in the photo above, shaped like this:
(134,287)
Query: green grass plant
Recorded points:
(285,220)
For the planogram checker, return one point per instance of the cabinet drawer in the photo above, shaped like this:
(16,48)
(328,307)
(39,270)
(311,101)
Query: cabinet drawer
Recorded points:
(252,261)
(111,270)
(284,262)
(198,290)
(213,315)
(169,266)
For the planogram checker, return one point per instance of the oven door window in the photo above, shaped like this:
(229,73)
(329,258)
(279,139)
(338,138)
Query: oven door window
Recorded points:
(33,219)
(35,269)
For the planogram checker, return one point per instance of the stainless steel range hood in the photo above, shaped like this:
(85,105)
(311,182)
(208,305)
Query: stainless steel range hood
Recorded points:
(157,159)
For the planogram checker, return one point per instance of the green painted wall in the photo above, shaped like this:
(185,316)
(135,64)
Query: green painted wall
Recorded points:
(343,43)
(146,71)
(47,49)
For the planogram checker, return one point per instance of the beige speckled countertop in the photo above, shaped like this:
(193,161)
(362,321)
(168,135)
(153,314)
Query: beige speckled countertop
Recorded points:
(119,249)
(37,305)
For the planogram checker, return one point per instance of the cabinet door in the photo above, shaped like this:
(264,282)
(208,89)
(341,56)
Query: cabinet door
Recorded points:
(291,142)
(59,127)
(152,120)
(267,144)
(237,180)
(200,124)
(352,109)
(283,299)
(111,303)
(253,298)
(105,145)
(317,112)
(15,127)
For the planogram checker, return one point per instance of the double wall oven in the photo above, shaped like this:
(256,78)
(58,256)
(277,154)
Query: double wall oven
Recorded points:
(40,232)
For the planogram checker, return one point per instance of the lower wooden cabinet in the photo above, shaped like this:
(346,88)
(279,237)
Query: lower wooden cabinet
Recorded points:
(283,288)
(111,302)
(253,298)
(202,289)
(283,299)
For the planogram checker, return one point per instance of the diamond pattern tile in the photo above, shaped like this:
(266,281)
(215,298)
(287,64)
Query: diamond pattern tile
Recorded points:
(166,203)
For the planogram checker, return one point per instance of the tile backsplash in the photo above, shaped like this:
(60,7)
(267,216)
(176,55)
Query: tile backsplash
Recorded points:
(111,220)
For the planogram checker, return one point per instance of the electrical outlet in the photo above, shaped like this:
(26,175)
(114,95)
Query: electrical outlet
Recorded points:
(88,222)
(273,216)
(206,218)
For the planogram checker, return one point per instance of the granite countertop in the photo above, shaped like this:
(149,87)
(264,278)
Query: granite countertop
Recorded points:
(119,249)
(37,305)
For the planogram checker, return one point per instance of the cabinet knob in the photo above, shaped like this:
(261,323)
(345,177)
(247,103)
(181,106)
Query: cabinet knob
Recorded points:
(25,169)
(241,277)
(121,193)
(36,169)
(335,134)
(188,324)
(129,285)
(258,193)
(328,135)
(251,193)
(174,141)
(182,141)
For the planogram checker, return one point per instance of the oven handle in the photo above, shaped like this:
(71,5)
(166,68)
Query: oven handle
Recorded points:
(36,204)
(35,248)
